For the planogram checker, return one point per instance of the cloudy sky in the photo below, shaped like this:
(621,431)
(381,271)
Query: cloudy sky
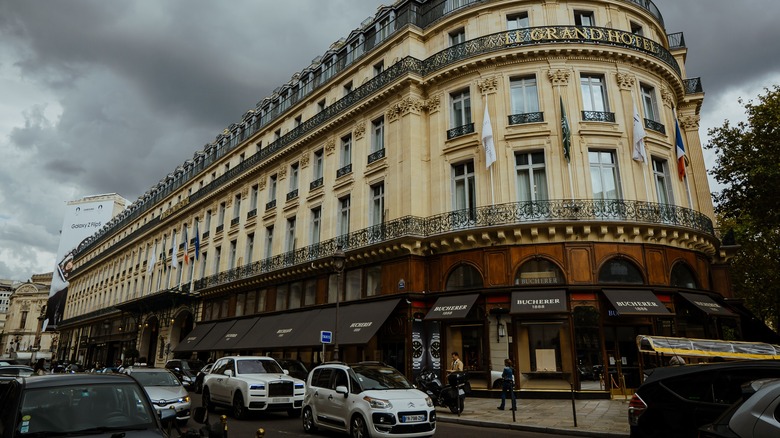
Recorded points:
(110,96)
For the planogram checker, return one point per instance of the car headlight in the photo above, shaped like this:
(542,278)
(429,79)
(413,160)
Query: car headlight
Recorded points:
(429,402)
(187,379)
(378,403)
(185,399)
(299,386)
(259,386)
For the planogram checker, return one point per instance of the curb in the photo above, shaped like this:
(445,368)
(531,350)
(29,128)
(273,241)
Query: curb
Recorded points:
(529,428)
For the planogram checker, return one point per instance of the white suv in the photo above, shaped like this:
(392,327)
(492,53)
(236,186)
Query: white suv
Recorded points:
(366,399)
(252,383)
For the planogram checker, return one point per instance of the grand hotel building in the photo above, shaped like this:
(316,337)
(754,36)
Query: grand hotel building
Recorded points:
(375,152)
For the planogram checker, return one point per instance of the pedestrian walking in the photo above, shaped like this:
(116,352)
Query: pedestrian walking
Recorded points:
(508,385)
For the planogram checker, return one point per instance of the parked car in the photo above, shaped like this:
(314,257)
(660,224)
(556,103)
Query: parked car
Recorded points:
(199,377)
(252,383)
(16,370)
(367,399)
(164,390)
(676,401)
(295,368)
(76,405)
(757,414)
(185,370)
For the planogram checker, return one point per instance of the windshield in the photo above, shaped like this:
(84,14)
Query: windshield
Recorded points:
(68,409)
(258,366)
(193,365)
(157,378)
(380,377)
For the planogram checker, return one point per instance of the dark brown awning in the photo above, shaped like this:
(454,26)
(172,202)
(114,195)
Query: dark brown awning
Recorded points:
(216,333)
(358,323)
(539,301)
(194,337)
(706,304)
(234,334)
(452,307)
(636,302)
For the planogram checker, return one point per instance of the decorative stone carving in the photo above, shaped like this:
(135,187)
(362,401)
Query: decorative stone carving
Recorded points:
(432,104)
(262,183)
(244,192)
(330,146)
(304,160)
(405,106)
(667,96)
(360,129)
(625,81)
(282,172)
(689,123)
(559,77)
(488,85)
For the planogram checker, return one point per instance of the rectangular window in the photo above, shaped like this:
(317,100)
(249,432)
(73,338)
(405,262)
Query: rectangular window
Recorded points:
(294,177)
(217,258)
(296,295)
(457,36)
(583,18)
(346,151)
(377,213)
(250,248)
(290,243)
(203,264)
(594,93)
(253,197)
(321,105)
(237,206)
(348,88)
(316,221)
(297,121)
(282,292)
(272,181)
(232,260)
(636,29)
(355,49)
(343,222)
(604,175)
(378,134)
(310,292)
(451,5)
(649,102)
(531,176)
(517,21)
(221,215)
(383,29)
(379,67)
(318,165)
(463,187)
(373,280)
(663,189)
(269,241)
(207,223)
(251,303)
(461,108)
(524,95)
(240,304)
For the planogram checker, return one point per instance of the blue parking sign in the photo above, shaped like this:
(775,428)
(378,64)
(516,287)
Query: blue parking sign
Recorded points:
(326,337)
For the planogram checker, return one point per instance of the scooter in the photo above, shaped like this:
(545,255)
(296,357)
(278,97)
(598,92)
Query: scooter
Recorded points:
(452,396)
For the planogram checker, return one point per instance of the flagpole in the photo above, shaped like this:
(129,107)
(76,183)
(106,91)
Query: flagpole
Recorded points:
(487,120)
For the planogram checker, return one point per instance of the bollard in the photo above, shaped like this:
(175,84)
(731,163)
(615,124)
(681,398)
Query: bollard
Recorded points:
(573,406)
(260,433)
(223,419)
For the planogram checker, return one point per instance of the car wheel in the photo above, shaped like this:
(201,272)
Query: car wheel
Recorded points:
(206,400)
(458,408)
(358,427)
(308,421)
(239,410)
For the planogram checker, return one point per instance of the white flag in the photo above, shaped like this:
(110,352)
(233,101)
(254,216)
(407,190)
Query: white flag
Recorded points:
(639,138)
(152,259)
(174,250)
(487,138)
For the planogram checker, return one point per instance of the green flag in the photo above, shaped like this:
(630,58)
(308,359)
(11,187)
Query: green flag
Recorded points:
(566,132)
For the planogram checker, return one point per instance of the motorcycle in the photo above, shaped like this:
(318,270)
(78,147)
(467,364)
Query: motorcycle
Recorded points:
(451,396)
(207,430)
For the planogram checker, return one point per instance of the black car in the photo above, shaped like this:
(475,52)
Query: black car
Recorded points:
(295,367)
(676,401)
(185,370)
(199,377)
(76,405)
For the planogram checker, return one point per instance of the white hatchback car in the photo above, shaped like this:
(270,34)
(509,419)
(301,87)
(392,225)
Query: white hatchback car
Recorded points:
(164,390)
(366,399)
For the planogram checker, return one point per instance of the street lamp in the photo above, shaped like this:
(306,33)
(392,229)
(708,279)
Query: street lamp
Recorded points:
(339,260)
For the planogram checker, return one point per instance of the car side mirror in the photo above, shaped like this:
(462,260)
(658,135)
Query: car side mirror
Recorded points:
(229,373)
(286,372)
(342,390)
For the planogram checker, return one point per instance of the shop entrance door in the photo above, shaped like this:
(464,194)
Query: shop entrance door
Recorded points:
(623,370)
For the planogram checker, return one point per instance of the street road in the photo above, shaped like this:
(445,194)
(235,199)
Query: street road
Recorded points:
(278,424)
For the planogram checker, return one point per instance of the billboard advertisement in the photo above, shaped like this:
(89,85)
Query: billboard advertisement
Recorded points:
(82,219)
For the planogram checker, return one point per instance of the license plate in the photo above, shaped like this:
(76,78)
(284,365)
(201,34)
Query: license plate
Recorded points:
(461,392)
(412,418)
(280,400)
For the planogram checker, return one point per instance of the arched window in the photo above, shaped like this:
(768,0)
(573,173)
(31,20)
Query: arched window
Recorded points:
(620,271)
(464,277)
(539,271)
(683,276)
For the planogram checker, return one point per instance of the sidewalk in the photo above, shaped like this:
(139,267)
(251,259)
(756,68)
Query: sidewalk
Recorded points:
(595,418)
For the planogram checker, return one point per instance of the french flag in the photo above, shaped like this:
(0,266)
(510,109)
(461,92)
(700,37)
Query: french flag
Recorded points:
(680,150)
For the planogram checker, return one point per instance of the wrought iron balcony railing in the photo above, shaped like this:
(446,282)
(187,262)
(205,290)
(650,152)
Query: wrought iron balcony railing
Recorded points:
(655,126)
(344,170)
(693,86)
(220,227)
(292,194)
(460,130)
(598,116)
(235,221)
(270,204)
(251,213)
(518,213)
(378,155)
(519,119)
(206,235)
(317,183)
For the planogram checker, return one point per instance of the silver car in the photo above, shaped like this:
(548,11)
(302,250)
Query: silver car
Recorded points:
(165,391)
(756,415)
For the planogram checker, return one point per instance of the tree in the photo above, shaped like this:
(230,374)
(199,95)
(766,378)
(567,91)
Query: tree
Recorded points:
(748,165)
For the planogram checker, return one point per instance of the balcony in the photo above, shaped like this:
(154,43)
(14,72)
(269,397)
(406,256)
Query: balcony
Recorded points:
(344,170)
(375,156)
(519,119)
(251,213)
(655,126)
(460,130)
(317,183)
(205,235)
(220,227)
(270,204)
(292,195)
(693,86)
(598,116)
(235,221)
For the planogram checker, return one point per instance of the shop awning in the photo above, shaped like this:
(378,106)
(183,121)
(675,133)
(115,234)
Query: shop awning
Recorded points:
(211,338)
(233,335)
(194,337)
(358,323)
(636,302)
(273,331)
(706,304)
(539,301)
(707,348)
(452,307)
